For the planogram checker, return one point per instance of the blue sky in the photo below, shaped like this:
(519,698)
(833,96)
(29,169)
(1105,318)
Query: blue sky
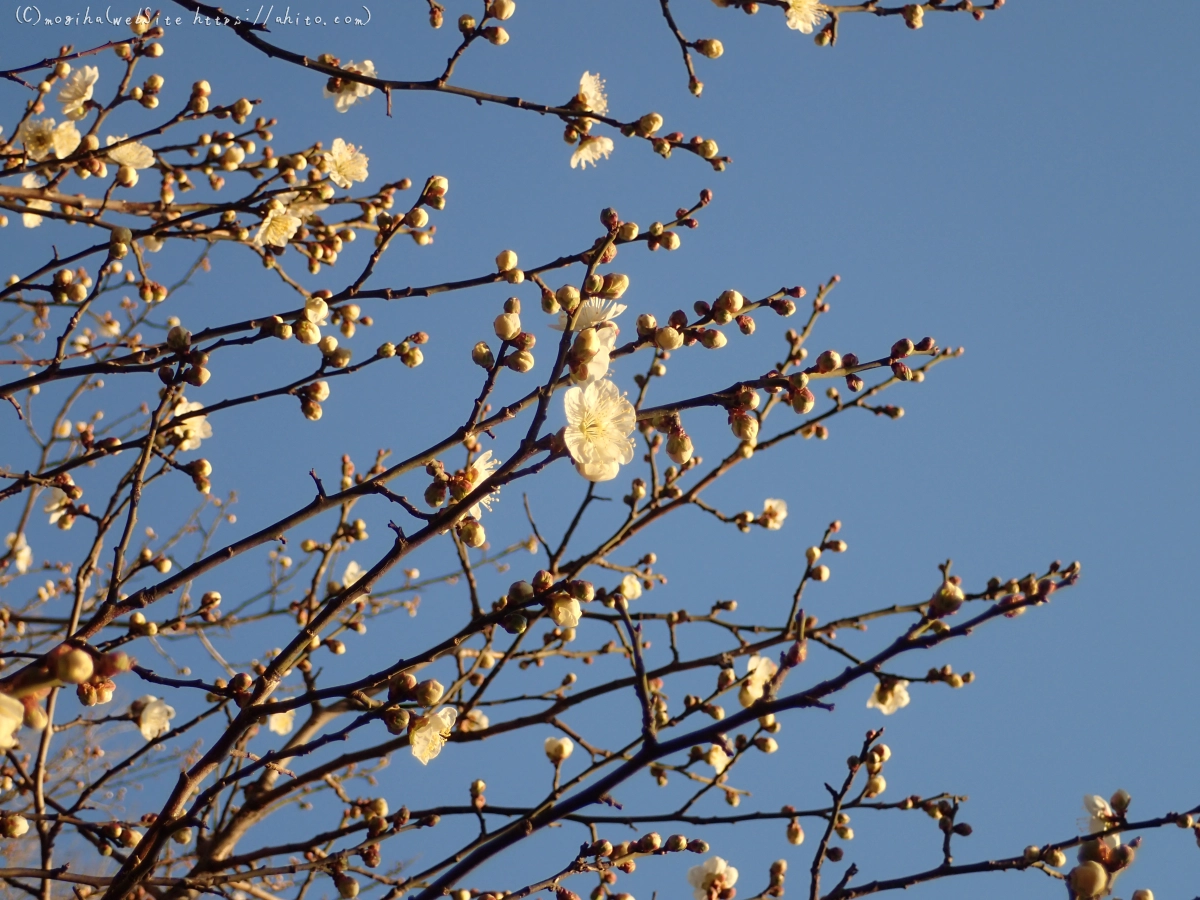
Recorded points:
(1024,186)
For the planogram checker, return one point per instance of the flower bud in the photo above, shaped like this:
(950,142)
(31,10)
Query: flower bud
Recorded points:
(430,692)
(707,149)
(347,887)
(914,18)
(521,361)
(1088,879)
(568,297)
(710,47)
(502,9)
(496,35)
(13,826)
(306,332)
(712,339)
(614,286)
(679,447)
(471,532)
(1120,802)
(668,338)
(1142,894)
(795,833)
(1032,853)
(481,355)
(506,261)
(829,361)
(743,426)
(1054,858)
(648,124)
(74,667)
(507,326)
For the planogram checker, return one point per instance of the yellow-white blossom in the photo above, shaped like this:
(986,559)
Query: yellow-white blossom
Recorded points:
(716,757)
(591,94)
(711,878)
(353,572)
(760,670)
(558,749)
(190,432)
(153,716)
(485,464)
(352,91)
(565,611)
(135,154)
(1100,818)
(474,720)
(33,220)
(282,722)
(22,553)
(590,150)
(599,421)
(12,714)
(428,734)
(346,163)
(66,139)
(773,514)
(78,91)
(37,136)
(631,587)
(56,506)
(302,204)
(805,15)
(279,227)
(889,696)
(593,313)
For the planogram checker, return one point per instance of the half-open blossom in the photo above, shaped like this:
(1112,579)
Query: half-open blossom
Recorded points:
(599,421)
(564,610)
(351,92)
(78,91)
(712,877)
(22,553)
(631,587)
(153,716)
(190,432)
(590,150)
(57,507)
(279,227)
(12,714)
(558,749)
(592,313)
(716,757)
(1100,818)
(474,720)
(483,466)
(760,670)
(889,696)
(135,154)
(346,163)
(428,734)
(805,15)
(773,514)
(33,220)
(591,94)
(282,722)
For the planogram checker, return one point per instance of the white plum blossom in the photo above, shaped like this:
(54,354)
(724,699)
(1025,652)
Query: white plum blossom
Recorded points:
(717,758)
(599,421)
(773,514)
(302,204)
(889,696)
(33,220)
(1100,818)
(37,136)
(66,139)
(153,716)
(78,91)
(593,312)
(352,91)
(474,720)
(428,734)
(12,714)
(565,611)
(135,154)
(558,749)
(56,507)
(282,722)
(805,15)
(346,163)
(485,464)
(711,877)
(631,587)
(353,572)
(190,432)
(22,553)
(591,94)
(590,150)
(279,227)
(760,670)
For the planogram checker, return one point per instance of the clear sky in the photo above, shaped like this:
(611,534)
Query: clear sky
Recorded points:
(1025,186)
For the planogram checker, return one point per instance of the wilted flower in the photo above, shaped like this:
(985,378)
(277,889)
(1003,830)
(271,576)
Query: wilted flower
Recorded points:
(804,15)
(592,96)
(78,91)
(889,696)
(599,420)
(346,163)
(558,749)
(773,514)
(590,150)
(428,734)
(351,92)
(760,670)
(136,155)
(153,716)
(712,877)
(282,722)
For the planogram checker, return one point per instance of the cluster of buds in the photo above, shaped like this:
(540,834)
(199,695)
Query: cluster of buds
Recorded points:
(198,102)
(199,470)
(506,267)
(311,396)
(622,854)
(875,758)
(949,596)
(210,603)
(98,687)
(147,94)
(70,285)
(947,675)
(659,236)
(507,327)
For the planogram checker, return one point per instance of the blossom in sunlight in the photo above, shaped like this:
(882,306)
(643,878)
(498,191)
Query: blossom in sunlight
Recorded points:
(599,421)
(136,155)
(346,163)
(353,572)
(475,720)
(189,433)
(773,514)
(302,204)
(22,553)
(590,150)
(805,15)
(711,878)
(591,94)
(428,734)
(889,696)
(760,670)
(631,587)
(33,220)
(350,92)
(75,94)
(282,722)
(279,227)
(592,313)
(716,757)
(12,714)
(37,136)
(57,507)
(152,715)
(564,610)
(558,749)
(1100,818)
(485,464)
(66,139)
